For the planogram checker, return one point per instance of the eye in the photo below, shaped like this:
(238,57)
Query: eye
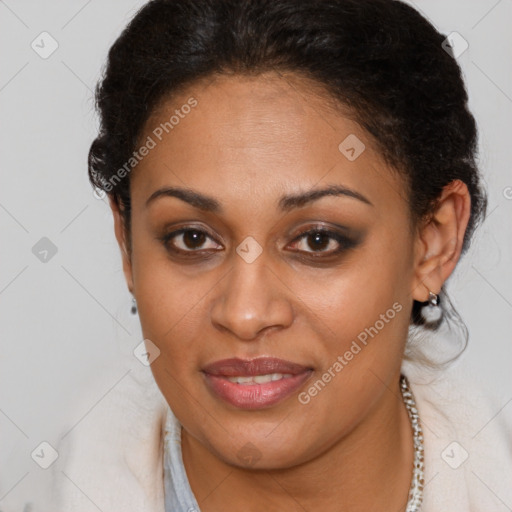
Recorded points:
(321,241)
(190,240)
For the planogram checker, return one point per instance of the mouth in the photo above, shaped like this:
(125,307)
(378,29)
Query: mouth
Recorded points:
(256,383)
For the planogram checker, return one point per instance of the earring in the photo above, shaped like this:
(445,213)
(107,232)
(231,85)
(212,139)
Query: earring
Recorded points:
(134,306)
(431,313)
(433,299)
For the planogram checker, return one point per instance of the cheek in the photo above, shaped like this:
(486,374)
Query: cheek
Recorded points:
(172,314)
(373,281)
(172,310)
(358,319)
(166,295)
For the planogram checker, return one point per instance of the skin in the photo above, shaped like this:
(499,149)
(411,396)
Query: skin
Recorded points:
(248,142)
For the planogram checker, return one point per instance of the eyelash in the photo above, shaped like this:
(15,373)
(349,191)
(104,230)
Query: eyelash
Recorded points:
(343,241)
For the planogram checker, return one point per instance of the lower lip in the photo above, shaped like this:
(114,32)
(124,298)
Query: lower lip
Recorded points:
(255,396)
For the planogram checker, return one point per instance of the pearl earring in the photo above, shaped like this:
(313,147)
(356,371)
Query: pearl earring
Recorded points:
(134,306)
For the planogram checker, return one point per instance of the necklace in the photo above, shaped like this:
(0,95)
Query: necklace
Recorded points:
(416,490)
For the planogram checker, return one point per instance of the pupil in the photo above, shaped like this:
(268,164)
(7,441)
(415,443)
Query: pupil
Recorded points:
(318,241)
(193,239)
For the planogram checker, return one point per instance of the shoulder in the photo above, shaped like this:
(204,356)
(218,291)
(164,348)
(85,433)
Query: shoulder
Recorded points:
(112,455)
(468,442)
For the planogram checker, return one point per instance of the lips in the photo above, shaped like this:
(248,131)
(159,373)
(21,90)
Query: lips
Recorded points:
(256,383)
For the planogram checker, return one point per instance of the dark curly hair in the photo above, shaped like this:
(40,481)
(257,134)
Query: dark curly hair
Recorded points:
(379,58)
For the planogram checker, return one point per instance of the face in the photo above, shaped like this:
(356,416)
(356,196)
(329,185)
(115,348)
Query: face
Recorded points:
(272,267)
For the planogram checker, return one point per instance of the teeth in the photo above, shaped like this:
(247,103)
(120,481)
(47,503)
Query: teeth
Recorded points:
(244,380)
(262,379)
(259,379)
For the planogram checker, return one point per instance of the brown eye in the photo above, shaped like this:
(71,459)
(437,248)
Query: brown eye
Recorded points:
(320,241)
(189,241)
(193,239)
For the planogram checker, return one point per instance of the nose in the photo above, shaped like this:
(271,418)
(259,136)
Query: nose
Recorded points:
(251,299)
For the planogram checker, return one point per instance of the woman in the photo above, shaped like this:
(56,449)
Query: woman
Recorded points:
(292,184)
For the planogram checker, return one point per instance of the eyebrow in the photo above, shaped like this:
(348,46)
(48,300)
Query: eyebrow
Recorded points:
(289,202)
(200,201)
(286,203)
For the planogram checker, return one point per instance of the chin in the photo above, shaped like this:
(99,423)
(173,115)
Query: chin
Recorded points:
(261,446)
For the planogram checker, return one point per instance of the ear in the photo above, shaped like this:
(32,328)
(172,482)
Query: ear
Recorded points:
(119,228)
(439,242)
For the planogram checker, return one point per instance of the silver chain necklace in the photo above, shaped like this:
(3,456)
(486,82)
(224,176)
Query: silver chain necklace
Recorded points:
(416,490)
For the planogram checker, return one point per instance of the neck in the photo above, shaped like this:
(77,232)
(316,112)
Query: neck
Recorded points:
(372,465)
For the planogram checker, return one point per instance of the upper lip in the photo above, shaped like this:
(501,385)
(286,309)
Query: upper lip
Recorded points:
(251,367)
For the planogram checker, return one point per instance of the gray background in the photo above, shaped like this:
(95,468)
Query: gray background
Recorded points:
(66,329)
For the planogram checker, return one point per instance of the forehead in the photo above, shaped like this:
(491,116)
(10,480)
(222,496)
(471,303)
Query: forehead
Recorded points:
(258,137)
